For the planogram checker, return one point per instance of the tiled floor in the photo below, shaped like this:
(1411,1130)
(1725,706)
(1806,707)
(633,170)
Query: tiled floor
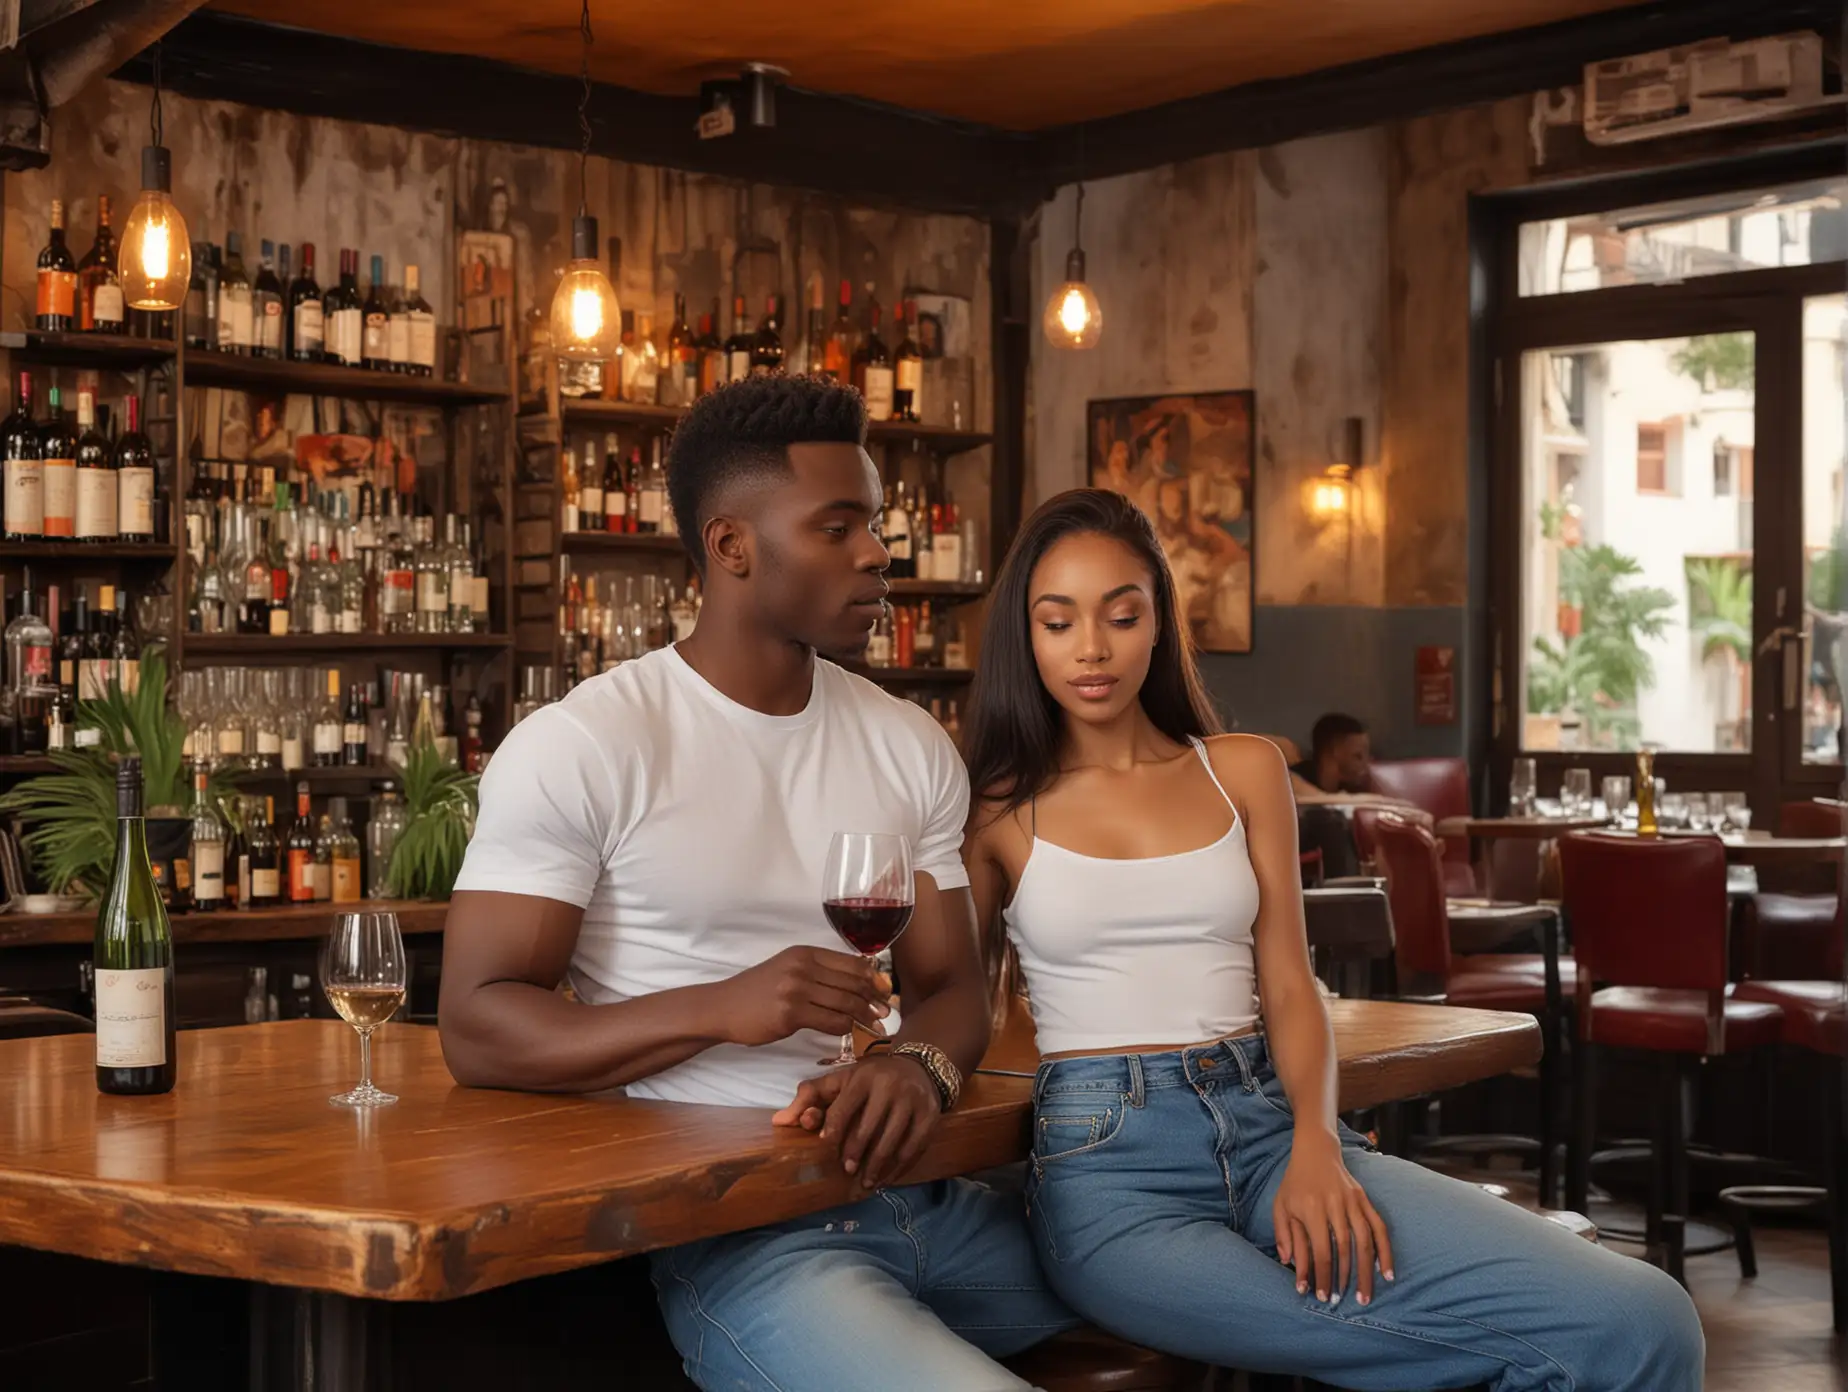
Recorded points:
(1771,1334)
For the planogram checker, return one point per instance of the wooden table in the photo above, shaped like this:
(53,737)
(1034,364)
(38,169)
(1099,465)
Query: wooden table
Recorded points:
(1518,828)
(245,1170)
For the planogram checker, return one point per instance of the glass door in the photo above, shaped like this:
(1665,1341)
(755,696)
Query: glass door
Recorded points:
(1811,645)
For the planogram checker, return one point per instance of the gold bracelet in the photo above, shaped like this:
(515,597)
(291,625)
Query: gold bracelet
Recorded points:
(943,1074)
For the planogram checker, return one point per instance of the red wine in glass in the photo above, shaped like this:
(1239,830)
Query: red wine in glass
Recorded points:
(868,925)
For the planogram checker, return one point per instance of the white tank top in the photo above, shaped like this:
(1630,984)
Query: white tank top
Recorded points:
(1148,951)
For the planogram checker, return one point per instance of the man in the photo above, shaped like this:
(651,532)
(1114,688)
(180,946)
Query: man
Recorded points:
(657,839)
(1340,759)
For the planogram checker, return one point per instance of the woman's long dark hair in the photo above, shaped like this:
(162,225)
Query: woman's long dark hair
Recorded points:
(1014,727)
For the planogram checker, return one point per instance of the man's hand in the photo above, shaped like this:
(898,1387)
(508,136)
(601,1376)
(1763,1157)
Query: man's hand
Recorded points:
(880,1112)
(804,988)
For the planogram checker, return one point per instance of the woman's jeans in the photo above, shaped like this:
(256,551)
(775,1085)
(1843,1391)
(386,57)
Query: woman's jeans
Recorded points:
(1149,1197)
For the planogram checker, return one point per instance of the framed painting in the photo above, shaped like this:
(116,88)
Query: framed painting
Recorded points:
(1186,461)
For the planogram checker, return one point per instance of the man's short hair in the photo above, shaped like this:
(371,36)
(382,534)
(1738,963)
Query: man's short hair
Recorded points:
(744,430)
(1330,729)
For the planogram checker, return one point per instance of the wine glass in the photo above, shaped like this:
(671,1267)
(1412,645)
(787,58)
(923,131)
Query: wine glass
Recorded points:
(1697,812)
(1575,792)
(1616,790)
(867,893)
(362,971)
(1737,811)
(1521,789)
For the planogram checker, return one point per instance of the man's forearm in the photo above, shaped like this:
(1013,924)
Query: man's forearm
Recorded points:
(512,1034)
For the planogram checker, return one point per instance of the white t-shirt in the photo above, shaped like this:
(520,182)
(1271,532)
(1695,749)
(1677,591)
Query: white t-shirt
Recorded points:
(693,832)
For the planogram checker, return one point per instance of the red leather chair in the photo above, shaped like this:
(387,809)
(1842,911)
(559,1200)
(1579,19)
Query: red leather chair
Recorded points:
(1648,919)
(1530,982)
(1791,929)
(1440,787)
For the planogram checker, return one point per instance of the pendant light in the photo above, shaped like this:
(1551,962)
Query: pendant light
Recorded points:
(155,264)
(1073,318)
(586,322)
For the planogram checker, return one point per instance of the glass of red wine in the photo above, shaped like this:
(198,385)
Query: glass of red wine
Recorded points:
(867,893)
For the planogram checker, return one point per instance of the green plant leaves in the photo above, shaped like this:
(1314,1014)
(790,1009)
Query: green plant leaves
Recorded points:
(440,802)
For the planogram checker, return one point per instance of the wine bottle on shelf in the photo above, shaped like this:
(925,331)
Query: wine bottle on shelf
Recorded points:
(343,845)
(872,368)
(93,674)
(306,328)
(652,504)
(207,850)
(711,352)
(375,342)
(767,347)
(125,656)
(100,307)
(321,872)
(97,494)
(615,487)
(133,959)
(327,724)
(679,383)
(420,327)
(196,316)
(837,353)
(355,728)
(345,313)
(234,299)
(22,450)
(815,335)
(57,279)
(71,646)
(266,305)
(265,852)
(908,372)
(299,850)
(739,346)
(135,479)
(896,531)
(398,330)
(28,660)
(58,446)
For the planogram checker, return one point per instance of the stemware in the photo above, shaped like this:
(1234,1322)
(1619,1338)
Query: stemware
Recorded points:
(1521,789)
(867,893)
(362,971)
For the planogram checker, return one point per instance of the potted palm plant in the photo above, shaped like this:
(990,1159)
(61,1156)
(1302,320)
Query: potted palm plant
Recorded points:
(440,802)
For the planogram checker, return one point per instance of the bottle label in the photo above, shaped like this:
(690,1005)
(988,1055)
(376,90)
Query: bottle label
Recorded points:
(398,338)
(127,675)
(326,739)
(878,392)
(432,592)
(131,1018)
(346,880)
(345,337)
(265,884)
(234,327)
(269,742)
(182,874)
(478,597)
(96,503)
(57,294)
(376,331)
(208,871)
(910,378)
(106,306)
(308,326)
(569,522)
(279,622)
(354,734)
(319,620)
(399,596)
(135,516)
(879,650)
(590,502)
(350,621)
(35,664)
(615,508)
(955,654)
(25,497)
(60,497)
(649,506)
(948,548)
(423,339)
(292,752)
(739,368)
(898,534)
(321,880)
(267,317)
(301,876)
(231,740)
(92,683)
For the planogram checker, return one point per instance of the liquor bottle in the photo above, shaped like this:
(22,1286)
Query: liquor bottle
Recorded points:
(326,735)
(100,307)
(207,851)
(643,366)
(133,958)
(124,655)
(679,384)
(306,327)
(473,753)
(923,548)
(1646,824)
(351,617)
(872,368)
(739,346)
(955,649)
(711,352)
(29,643)
(924,638)
(419,327)
(382,831)
(652,502)
(479,599)
(195,318)
(321,868)
(348,885)
(908,374)
(58,448)
(568,489)
(234,299)
(22,449)
(632,490)
(591,516)
(266,305)
(767,349)
(896,533)
(71,646)
(57,279)
(97,493)
(134,480)
(615,487)
(354,728)
(375,348)
(298,850)
(461,574)
(265,851)
(815,336)
(398,332)
(837,353)
(398,594)
(344,312)
(93,672)
(432,580)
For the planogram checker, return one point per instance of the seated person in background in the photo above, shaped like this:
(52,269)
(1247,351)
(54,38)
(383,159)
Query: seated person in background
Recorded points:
(1339,770)
(657,840)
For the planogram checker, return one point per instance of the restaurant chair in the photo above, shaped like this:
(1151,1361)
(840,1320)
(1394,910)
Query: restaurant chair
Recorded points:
(1815,1020)
(1440,787)
(1089,1360)
(24,1018)
(1535,983)
(1648,920)
(1790,929)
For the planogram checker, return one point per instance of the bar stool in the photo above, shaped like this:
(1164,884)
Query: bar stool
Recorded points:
(1815,1019)
(1790,928)
(1089,1360)
(1648,921)
(1530,982)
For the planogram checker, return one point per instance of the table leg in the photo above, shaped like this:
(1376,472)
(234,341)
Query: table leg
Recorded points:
(311,1341)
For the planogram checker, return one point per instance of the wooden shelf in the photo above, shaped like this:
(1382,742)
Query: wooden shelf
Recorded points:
(620,543)
(592,410)
(257,646)
(936,589)
(938,439)
(78,552)
(337,775)
(207,368)
(19,765)
(121,352)
(915,676)
(288,922)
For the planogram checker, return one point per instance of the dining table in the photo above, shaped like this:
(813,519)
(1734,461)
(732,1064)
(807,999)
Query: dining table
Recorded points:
(246,1173)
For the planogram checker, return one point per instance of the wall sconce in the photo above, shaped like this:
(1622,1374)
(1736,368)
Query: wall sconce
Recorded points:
(1330,495)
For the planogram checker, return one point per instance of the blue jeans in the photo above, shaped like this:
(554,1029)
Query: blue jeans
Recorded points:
(1149,1195)
(917,1289)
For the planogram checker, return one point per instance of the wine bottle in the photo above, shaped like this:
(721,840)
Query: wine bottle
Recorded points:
(266,305)
(57,279)
(265,853)
(133,960)
(58,446)
(99,293)
(375,331)
(134,480)
(305,321)
(22,450)
(96,474)
(208,845)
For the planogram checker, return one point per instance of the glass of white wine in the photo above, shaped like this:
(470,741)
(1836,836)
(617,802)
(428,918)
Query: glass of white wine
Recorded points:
(362,971)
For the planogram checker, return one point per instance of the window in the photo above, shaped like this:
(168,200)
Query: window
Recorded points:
(1722,470)
(1652,459)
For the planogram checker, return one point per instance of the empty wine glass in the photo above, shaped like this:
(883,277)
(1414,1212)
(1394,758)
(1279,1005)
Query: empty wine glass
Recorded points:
(1671,808)
(1521,789)
(1575,792)
(1736,812)
(1616,792)
(867,893)
(362,971)
(1698,819)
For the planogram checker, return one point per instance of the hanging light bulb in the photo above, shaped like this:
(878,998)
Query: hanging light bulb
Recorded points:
(586,320)
(155,262)
(1073,318)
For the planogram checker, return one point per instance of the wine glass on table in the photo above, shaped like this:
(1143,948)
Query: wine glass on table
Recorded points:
(867,893)
(362,971)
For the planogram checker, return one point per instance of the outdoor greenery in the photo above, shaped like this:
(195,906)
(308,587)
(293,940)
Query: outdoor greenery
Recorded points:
(440,805)
(1719,362)
(1720,607)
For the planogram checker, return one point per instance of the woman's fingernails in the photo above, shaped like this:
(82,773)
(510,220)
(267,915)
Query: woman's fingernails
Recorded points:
(1388,1273)
(1301,1286)
(1364,1299)
(852,1165)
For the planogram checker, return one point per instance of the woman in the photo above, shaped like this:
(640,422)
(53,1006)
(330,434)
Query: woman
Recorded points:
(1190,1188)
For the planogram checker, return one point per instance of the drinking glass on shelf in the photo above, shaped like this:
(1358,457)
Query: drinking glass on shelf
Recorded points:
(1697,812)
(362,971)
(1521,789)
(867,892)
(1735,812)
(1575,792)
(1616,792)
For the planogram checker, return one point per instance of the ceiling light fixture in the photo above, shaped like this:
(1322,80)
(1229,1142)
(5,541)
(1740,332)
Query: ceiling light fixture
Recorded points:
(586,320)
(155,265)
(1073,318)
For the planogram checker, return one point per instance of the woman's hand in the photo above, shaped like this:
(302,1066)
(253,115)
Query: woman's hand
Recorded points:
(1319,1198)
